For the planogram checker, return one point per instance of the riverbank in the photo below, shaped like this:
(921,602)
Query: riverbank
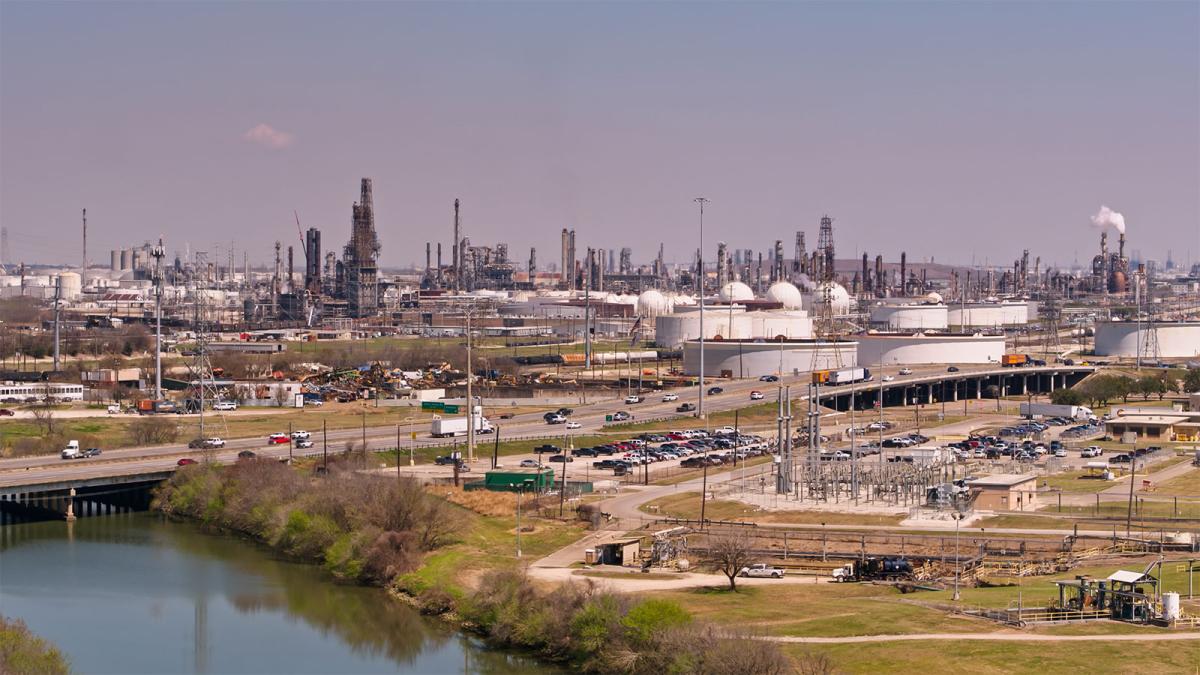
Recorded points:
(23,652)
(459,565)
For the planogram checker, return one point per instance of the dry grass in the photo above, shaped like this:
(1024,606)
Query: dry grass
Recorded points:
(483,502)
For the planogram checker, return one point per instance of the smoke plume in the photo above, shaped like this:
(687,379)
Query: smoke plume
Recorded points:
(1106,217)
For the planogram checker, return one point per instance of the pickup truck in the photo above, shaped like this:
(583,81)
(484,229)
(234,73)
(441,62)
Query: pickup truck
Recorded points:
(761,570)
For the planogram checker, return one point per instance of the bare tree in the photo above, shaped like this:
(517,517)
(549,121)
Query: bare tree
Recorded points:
(43,417)
(730,552)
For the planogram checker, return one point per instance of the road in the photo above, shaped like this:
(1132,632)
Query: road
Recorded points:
(27,470)
(992,637)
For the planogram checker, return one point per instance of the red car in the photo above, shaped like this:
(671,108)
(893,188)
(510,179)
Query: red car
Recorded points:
(5,412)
(277,439)
(186,461)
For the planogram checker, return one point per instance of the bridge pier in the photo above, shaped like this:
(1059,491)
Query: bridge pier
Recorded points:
(70,503)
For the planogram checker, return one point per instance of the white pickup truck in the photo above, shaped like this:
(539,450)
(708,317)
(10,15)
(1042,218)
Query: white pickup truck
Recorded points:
(762,570)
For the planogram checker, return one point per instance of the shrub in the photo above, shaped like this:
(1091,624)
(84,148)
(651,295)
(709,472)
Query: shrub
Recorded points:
(23,652)
(435,601)
(652,618)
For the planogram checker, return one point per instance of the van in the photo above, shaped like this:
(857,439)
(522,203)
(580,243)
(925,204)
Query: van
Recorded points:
(114,409)
(71,451)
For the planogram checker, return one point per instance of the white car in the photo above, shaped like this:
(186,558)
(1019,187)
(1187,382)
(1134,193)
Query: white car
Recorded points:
(224,405)
(301,445)
(214,442)
(301,435)
(906,371)
(724,431)
(762,571)
(556,419)
(633,399)
(574,425)
(888,378)
(756,396)
(1092,451)
(667,398)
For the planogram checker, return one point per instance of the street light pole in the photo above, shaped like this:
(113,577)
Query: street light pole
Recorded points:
(700,286)
(957,518)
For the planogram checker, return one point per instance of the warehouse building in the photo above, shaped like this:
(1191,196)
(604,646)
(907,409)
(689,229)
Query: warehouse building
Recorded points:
(1005,492)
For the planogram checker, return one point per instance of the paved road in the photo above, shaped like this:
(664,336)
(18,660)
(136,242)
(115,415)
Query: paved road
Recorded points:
(994,637)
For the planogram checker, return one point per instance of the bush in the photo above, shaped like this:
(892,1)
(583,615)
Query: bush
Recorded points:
(23,652)
(652,618)
(435,601)
(153,431)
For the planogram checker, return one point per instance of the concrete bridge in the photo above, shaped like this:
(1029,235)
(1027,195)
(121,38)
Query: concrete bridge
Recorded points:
(927,389)
(57,498)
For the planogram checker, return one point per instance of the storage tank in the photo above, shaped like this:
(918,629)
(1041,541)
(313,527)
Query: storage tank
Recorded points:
(1176,339)
(114,260)
(72,285)
(126,255)
(785,294)
(909,316)
(735,291)
(1170,602)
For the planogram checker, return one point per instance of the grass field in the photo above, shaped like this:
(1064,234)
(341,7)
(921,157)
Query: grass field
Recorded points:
(687,505)
(1077,481)
(987,658)
(1187,484)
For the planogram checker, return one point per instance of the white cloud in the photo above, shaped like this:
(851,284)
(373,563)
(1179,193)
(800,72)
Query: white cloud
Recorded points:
(268,137)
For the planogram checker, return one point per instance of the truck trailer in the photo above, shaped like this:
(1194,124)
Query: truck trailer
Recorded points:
(445,427)
(1074,412)
(841,376)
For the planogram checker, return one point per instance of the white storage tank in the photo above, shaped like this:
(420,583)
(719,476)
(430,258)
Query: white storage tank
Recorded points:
(1176,339)
(1170,601)
(72,285)
(909,316)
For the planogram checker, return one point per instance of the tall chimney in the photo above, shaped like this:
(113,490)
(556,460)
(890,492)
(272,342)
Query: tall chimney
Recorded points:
(291,284)
(866,275)
(428,257)
(457,264)
(903,274)
(83,273)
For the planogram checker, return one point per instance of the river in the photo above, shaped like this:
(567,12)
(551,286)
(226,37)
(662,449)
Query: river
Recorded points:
(136,593)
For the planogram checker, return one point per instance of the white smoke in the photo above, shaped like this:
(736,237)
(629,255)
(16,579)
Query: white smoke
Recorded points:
(1106,217)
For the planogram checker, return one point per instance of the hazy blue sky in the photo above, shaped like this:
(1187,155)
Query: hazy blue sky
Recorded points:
(945,129)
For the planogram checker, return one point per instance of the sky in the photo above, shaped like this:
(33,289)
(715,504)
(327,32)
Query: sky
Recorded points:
(958,131)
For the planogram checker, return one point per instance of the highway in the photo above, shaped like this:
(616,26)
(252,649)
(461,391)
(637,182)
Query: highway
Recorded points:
(132,461)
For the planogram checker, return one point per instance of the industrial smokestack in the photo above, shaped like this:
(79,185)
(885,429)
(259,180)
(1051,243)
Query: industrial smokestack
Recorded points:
(866,275)
(1121,245)
(82,272)
(291,284)
(903,273)
(457,264)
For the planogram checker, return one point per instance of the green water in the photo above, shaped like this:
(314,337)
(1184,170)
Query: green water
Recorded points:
(134,593)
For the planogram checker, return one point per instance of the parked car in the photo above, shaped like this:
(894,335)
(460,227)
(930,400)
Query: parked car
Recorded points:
(276,439)
(5,412)
(529,464)
(668,397)
(756,395)
(447,460)
(561,458)
(225,405)
(186,461)
(762,570)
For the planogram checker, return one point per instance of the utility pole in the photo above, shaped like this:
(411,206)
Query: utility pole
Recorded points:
(470,398)
(158,254)
(57,314)
(700,286)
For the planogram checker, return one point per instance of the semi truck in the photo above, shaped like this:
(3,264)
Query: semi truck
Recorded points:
(872,569)
(149,407)
(445,427)
(841,376)
(1013,360)
(1074,412)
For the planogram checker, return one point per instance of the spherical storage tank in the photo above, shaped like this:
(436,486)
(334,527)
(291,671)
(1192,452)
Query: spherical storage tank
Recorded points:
(839,298)
(735,291)
(1178,339)
(785,294)
(653,303)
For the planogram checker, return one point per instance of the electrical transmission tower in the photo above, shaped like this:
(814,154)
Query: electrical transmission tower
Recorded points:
(200,372)
(1053,313)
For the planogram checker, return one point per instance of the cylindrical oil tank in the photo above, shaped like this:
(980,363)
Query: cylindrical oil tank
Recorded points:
(1170,603)
(114,260)
(126,255)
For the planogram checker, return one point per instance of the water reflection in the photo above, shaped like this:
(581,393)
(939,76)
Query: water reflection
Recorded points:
(135,593)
